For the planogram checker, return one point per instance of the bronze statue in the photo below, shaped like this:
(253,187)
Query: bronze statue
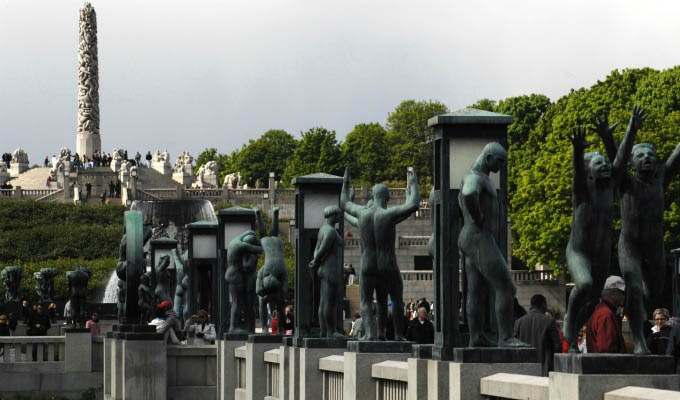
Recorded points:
(327,256)
(641,248)
(379,272)
(162,281)
(589,248)
(44,284)
(182,281)
(145,299)
(11,277)
(77,289)
(485,266)
(272,279)
(242,255)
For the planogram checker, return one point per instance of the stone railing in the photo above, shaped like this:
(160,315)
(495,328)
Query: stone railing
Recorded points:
(36,193)
(391,380)
(411,275)
(240,355)
(6,193)
(146,196)
(51,196)
(202,193)
(413,241)
(285,195)
(520,276)
(332,368)
(352,242)
(161,194)
(21,349)
(271,359)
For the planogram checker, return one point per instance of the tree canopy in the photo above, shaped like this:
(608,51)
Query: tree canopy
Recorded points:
(268,153)
(317,151)
(364,152)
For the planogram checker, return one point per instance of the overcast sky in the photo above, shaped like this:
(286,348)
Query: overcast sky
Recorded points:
(189,75)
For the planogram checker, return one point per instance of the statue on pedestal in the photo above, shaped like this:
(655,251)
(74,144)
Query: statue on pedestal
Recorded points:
(589,248)
(327,256)
(182,280)
(146,301)
(77,289)
(44,284)
(484,263)
(272,279)
(11,277)
(121,270)
(641,249)
(162,290)
(379,272)
(242,254)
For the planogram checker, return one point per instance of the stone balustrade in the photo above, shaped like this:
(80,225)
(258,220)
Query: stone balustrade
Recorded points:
(240,355)
(413,241)
(519,276)
(333,368)
(20,349)
(271,360)
(352,242)
(416,275)
(391,380)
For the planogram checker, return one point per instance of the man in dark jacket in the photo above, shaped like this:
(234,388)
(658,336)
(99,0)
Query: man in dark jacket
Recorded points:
(421,330)
(540,330)
(38,326)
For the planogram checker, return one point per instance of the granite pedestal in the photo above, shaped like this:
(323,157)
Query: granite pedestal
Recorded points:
(589,376)
(471,364)
(310,351)
(256,368)
(292,356)
(78,349)
(417,379)
(226,364)
(358,384)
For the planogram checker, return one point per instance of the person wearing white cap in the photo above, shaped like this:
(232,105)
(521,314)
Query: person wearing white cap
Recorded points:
(603,329)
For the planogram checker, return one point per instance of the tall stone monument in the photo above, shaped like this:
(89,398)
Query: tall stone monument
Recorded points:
(88,140)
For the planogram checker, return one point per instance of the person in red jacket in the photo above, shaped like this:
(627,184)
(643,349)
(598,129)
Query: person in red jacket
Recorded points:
(603,329)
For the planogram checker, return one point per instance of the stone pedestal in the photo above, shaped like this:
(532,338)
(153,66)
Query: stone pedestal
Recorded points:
(256,369)
(106,381)
(163,167)
(226,364)
(311,378)
(88,143)
(293,368)
(183,178)
(471,364)
(437,380)
(589,376)
(417,379)
(78,350)
(15,169)
(138,367)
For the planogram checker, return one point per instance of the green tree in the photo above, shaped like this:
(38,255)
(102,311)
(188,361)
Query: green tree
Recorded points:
(317,151)
(268,153)
(364,152)
(409,138)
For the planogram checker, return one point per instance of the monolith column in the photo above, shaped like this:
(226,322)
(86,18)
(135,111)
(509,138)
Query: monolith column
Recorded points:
(88,140)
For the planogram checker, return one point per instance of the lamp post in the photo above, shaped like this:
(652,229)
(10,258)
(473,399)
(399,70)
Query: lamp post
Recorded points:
(204,276)
(232,222)
(459,137)
(313,193)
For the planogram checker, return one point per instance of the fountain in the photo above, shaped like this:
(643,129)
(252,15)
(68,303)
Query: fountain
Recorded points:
(167,219)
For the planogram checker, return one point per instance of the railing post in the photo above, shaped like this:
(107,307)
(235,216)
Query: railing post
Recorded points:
(78,357)
(18,193)
(180,192)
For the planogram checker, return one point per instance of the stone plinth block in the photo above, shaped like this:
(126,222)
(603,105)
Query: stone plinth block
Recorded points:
(614,364)
(514,386)
(163,167)
(256,368)
(88,143)
(359,346)
(144,369)
(437,380)
(323,343)
(226,369)
(494,355)
(311,377)
(640,393)
(417,379)
(423,351)
(15,169)
(293,369)
(565,386)
(358,384)
(284,375)
(183,178)
(464,378)
(78,349)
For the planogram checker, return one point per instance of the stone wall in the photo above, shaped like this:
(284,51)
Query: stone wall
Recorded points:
(192,372)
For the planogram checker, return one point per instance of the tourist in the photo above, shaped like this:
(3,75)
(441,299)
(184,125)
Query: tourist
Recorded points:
(68,312)
(25,311)
(274,323)
(103,196)
(288,325)
(118,189)
(12,323)
(539,329)
(421,330)
(657,341)
(604,327)
(52,312)
(47,161)
(4,331)
(93,325)
(148,157)
(168,323)
(517,310)
(112,188)
(88,190)
(200,330)
(38,325)
(357,330)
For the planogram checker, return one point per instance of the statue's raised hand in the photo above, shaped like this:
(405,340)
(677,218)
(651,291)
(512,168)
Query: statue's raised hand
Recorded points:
(637,117)
(352,194)
(602,127)
(578,137)
(346,179)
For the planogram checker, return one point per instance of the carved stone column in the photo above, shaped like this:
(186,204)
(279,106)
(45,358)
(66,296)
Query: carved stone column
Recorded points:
(88,140)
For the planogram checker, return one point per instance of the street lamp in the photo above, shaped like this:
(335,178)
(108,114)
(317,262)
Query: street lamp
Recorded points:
(459,137)
(313,193)
(203,272)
